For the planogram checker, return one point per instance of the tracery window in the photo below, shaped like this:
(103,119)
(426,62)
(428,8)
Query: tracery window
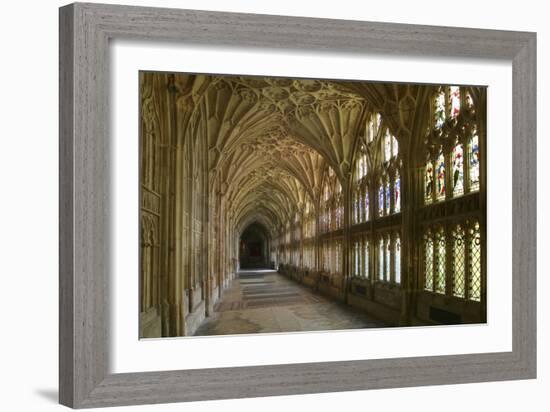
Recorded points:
(360,257)
(440,114)
(365,258)
(397,193)
(357,258)
(388,257)
(459,260)
(428,260)
(462,159)
(381,202)
(447,104)
(389,186)
(457,160)
(440,260)
(381,260)
(397,259)
(337,268)
(332,203)
(360,197)
(454,97)
(373,126)
(473,147)
(429,183)
(464,246)
(474,284)
(440,177)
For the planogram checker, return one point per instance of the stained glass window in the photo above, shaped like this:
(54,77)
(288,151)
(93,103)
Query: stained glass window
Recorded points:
(381,199)
(338,268)
(388,259)
(373,126)
(468,101)
(397,257)
(394,146)
(457,158)
(474,162)
(439,112)
(387,146)
(428,261)
(440,245)
(362,165)
(474,283)
(356,258)
(440,176)
(429,183)
(454,96)
(366,205)
(397,193)
(365,258)
(359,257)
(356,209)
(459,257)
(381,259)
(388,198)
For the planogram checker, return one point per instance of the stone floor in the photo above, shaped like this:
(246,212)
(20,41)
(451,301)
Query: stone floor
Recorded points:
(261,301)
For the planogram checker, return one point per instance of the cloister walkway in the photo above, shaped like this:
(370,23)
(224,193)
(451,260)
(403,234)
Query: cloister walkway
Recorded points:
(264,301)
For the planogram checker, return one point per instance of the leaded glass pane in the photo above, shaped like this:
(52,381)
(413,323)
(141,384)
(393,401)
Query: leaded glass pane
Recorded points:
(454,96)
(429,183)
(428,262)
(440,174)
(388,260)
(458,170)
(468,101)
(474,163)
(440,261)
(459,253)
(388,198)
(394,146)
(356,258)
(381,200)
(397,194)
(439,112)
(381,259)
(358,206)
(387,146)
(397,257)
(475,263)
(365,258)
(366,206)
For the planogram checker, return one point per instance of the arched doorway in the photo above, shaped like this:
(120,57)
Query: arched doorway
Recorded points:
(254,247)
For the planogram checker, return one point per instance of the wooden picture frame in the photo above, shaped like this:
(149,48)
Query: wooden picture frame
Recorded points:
(85,31)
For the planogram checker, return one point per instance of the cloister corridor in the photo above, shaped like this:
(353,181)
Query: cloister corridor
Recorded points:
(364,201)
(262,300)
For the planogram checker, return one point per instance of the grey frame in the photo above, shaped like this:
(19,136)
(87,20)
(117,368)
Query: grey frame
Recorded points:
(85,30)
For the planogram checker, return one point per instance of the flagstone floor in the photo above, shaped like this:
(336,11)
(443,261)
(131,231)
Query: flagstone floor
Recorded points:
(263,301)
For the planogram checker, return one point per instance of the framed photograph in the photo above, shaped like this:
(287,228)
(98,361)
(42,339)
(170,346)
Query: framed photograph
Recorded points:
(356,199)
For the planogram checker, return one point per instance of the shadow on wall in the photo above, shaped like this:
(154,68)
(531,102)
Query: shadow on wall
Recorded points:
(254,247)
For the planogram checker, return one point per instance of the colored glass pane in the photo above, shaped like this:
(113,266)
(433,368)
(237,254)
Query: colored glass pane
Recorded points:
(457,160)
(397,257)
(474,163)
(397,194)
(459,259)
(439,112)
(440,177)
(429,183)
(454,96)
